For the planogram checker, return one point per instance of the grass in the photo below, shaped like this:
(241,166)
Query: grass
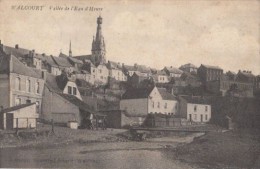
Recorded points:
(233,149)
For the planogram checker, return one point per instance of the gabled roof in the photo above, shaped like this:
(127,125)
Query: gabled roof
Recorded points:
(10,109)
(75,60)
(17,52)
(83,57)
(137,93)
(195,99)
(165,95)
(174,70)
(63,55)
(143,69)
(211,67)
(51,83)
(129,68)
(162,73)
(246,74)
(114,65)
(63,62)
(189,65)
(17,67)
(48,60)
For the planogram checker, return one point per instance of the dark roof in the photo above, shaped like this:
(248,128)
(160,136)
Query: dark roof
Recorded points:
(75,60)
(51,83)
(48,60)
(165,95)
(129,68)
(161,72)
(189,65)
(113,65)
(137,93)
(16,107)
(18,67)
(143,69)
(17,52)
(195,99)
(63,55)
(83,57)
(211,67)
(174,70)
(77,102)
(63,62)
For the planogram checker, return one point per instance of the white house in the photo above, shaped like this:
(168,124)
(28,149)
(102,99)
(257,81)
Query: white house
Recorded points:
(161,77)
(195,109)
(116,71)
(173,72)
(143,101)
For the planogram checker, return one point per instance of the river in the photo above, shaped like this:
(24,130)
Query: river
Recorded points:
(86,156)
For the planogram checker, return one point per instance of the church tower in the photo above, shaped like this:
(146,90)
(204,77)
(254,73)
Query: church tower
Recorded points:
(98,45)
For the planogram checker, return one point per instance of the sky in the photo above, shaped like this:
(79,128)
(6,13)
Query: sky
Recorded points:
(154,33)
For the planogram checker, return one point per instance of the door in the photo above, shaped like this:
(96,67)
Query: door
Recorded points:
(9,121)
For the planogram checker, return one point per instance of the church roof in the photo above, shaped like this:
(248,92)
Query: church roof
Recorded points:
(75,60)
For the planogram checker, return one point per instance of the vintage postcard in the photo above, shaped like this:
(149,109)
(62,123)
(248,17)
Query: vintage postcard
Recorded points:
(130,84)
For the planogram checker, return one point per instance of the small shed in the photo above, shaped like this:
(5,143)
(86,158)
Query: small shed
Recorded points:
(21,116)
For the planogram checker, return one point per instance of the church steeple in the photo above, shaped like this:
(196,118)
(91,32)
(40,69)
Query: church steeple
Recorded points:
(70,52)
(98,45)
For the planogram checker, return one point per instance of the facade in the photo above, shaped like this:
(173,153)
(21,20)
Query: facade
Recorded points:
(161,77)
(144,101)
(209,73)
(194,109)
(115,71)
(173,72)
(19,84)
(20,116)
(190,68)
(101,74)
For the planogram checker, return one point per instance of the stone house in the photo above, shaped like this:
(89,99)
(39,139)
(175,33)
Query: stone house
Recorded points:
(209,73)
(19,84)
(194,109)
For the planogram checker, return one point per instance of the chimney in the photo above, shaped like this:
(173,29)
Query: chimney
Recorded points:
(16,46)
(1,46)
(43,54)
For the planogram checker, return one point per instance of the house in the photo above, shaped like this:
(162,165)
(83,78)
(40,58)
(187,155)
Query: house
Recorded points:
(129,70)
(68,85)
(49,64)
(19,84)
(63,64)
(20,116)
(143,101)
(161,77)
(61,104)
(137,78)
(116,71)
(173,72)
(190,79)
(194,109)
(190,68)
(209,73)
(101,74)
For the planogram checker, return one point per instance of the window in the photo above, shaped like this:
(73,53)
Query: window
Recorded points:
(100,70)
(17,101)
(153,104)
(69,90)
(18,83)
(37,87)
(28,85)
(165,105)
(206,108)
(206,117)
(158,105)
(195,108)
(74,91)
(28,101)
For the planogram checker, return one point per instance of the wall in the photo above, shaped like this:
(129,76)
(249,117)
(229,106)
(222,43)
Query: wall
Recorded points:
(4,91)
(24,95)
(135,106)
(59,109)
(196,115)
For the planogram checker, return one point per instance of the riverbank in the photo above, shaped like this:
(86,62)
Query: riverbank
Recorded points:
(233,149)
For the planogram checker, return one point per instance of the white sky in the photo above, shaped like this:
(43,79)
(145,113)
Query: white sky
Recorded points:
(155,33)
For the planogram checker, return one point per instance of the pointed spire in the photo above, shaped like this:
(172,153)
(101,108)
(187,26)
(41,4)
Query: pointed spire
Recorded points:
(70,52)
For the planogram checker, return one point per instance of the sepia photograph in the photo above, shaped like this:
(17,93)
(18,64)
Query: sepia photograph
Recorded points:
(130,84)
